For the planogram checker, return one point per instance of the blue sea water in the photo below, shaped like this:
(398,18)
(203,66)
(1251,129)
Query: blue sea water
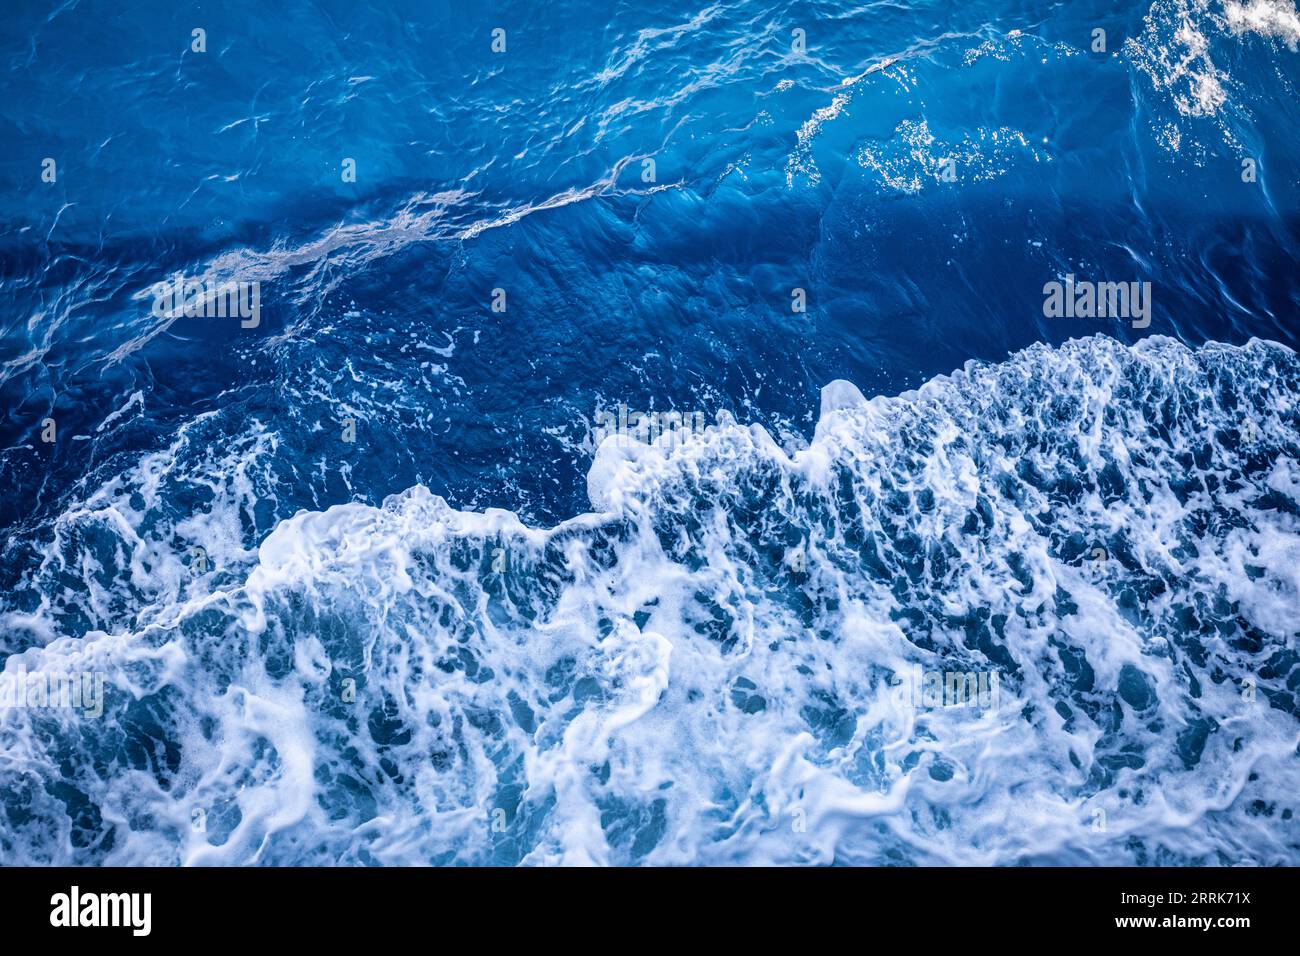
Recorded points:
(486,632)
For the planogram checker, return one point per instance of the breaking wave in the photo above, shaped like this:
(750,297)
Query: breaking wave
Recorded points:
(718,663)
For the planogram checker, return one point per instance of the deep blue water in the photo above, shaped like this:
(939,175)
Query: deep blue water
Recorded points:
(681,654)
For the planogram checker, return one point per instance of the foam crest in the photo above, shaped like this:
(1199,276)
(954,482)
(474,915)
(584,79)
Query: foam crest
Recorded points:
(733,658)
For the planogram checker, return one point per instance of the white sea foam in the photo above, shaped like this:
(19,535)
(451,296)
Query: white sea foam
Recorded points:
(1176,50)
(1270,18)
(915,157)
(706,668)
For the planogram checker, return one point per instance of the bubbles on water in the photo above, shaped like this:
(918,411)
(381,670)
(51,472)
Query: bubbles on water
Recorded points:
(659,682)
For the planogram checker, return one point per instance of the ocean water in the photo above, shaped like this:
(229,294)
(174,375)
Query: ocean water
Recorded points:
(368,581)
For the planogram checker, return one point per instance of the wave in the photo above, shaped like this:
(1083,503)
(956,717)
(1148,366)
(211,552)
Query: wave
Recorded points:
(726,660)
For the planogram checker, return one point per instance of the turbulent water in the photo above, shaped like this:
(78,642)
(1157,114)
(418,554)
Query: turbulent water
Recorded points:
(368,582)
